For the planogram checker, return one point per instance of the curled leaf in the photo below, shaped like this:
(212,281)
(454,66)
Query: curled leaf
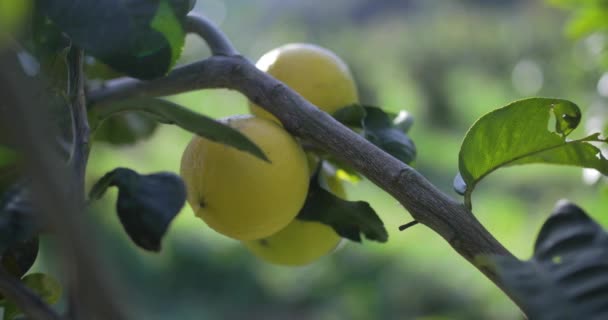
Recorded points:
(146,204)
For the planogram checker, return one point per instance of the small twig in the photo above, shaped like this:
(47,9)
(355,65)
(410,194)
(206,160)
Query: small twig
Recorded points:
(407,225)
(218,42)
(28,302)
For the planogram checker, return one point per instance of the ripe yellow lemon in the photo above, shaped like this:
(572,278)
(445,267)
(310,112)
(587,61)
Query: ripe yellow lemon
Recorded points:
(301,242)
(314,72)
(239,195)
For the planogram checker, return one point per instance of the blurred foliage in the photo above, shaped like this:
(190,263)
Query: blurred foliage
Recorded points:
(447,63)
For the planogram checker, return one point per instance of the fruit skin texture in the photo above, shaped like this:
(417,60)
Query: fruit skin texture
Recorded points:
(316,73)
(239,195)
(301,242)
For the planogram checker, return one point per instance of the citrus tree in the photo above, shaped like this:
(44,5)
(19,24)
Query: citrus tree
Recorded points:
(272,179)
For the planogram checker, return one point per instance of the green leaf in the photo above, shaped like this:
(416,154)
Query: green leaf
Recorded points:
(126,128)
(171,113)
(146,203)
(527,131)
(378,128)
(19,258)
(8,156)
(567,278)
(44,285)
(18,223)
(47,287)
(349,219)
(142,38)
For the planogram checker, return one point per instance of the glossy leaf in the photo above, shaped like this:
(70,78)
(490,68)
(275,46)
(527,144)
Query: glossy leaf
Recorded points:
(349,219)
(567,278)
(142,38)
(171,113)
(527,131)
(378,128)
(146,204)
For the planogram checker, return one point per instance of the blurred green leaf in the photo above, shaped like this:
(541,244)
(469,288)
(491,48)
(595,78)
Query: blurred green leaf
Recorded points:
(522,133)
(126,128)
(380,129)
(19,258)
(567,278)
(8,156)
(171,113)
(349,219)
(17,220)
(146,204)
(142,38)
(44,285)
(13,15)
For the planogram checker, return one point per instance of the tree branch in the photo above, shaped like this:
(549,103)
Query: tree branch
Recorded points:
(429,206)
(27,301)
(217,41)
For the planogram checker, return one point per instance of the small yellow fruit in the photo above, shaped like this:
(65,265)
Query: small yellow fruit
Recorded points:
(300,243)
(316,73)
(239,195)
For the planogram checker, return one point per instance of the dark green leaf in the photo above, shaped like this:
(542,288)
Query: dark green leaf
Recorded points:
(349,219)
(172,113)
(8,157)
(17,221)
(567,278)
(146,203)
(19,258)
(126,128)
(142,38)
(351,116)
(404,121)
(389,135)
(379,130)
(527,131)
(44,285)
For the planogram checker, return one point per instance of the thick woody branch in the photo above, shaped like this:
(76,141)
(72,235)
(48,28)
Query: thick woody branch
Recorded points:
(429,206)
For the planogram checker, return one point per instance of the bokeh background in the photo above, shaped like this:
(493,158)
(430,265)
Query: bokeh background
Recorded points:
(447,63)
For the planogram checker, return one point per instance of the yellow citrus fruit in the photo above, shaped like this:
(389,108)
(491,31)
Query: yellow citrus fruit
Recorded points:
(239,195)
(301,242)
(316,73)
